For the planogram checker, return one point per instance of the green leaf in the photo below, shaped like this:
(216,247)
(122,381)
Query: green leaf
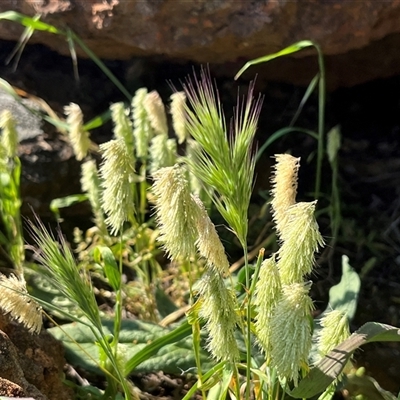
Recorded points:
(310,89)
(329,368)
(220,390)
(165,306)
(210,378)
(29,22)
(147,347)
(64,202)
(286,51)
(282,132)
(105,257)
(344,295)
(98,121)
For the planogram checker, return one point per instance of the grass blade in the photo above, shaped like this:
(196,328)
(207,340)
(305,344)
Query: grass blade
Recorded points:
(174,336)
(30,22)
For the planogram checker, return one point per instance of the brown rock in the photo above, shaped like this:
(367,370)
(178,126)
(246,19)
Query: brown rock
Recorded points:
(220,31)
(30,365)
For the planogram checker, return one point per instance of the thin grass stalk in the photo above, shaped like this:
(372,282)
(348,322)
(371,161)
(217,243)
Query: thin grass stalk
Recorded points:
(102,66)
(118,305)
(142,192)
(248,320)
(321,119)
(196,332)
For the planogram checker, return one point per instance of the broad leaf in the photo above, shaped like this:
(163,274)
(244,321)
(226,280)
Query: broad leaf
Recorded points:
(344,295)
(146,347)
(329,368)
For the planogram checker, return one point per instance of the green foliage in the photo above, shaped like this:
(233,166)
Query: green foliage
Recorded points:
(320,78)
(11,241)
(223,163)
(328,369)
(146,347)
(344,295)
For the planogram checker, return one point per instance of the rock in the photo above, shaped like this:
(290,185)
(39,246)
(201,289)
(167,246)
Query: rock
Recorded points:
(49,171)
(356,36)
(28,125)
(30,365)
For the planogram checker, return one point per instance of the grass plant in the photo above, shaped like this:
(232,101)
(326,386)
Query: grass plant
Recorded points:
(255,340)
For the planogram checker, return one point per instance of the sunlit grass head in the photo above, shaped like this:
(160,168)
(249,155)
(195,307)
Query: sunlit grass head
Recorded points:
(16,301)
(224,159)
(8,135)
(78,136)
(176,213)
(284,188)
(59,263)
(117,172)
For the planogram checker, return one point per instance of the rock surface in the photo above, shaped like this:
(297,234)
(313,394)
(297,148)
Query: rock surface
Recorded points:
(220,31)
(30,365)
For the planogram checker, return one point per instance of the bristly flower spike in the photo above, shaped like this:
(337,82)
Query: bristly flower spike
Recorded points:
(78,136)
(177,110)
(90,183)
(163,153)
(224,165)
(284,188)
(268,292)
(301,239)
(156,112)
(218,310)
(142,131)
(117,173)
(176,212)
(291,331)
(9,136)
(208,242)
(16,301)
(122,124)
(335,330)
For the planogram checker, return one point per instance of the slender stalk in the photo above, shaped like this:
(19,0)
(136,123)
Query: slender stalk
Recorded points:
(118,306)
(321,119)
(102,66)
(248,319)
(236,375)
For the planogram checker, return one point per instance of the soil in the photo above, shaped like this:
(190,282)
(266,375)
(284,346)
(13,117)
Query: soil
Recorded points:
(369,169)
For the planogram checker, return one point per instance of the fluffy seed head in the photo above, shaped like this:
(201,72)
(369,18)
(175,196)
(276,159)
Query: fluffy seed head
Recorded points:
(9,136)
(78,137)
(176,212)
(90,184)
(284,188)
(301,239)
(162,153)
(335,329)
(122,124)
(177,110)
(156,112)
(141,125)
(117,173)
(218,310)
(268,292)
(208,243)
(15,300)
(291,331)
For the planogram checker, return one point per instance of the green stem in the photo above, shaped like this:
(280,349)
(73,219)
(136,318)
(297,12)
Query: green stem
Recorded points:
(102,66)
(321,119)
(118,306)
(248,321)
